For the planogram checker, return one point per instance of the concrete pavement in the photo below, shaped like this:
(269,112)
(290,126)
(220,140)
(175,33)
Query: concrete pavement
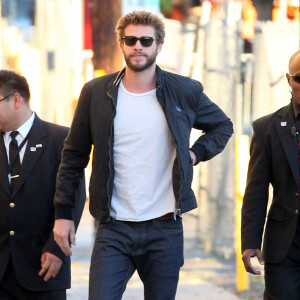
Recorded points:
(193,283)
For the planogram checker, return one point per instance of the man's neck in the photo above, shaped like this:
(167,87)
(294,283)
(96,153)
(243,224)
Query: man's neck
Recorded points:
(23,117)
(140,82)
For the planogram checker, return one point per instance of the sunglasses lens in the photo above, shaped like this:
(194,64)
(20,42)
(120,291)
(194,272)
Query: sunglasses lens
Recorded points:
(146,41)
(297,78)
(130,40)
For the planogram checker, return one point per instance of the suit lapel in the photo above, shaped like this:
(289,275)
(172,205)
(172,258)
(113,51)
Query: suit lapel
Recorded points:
(4,167)
(35,146)
(284,123)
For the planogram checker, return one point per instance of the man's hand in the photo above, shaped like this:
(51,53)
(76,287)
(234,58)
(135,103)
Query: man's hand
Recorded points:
(247,254)
(50,264)
(64,234)
(193,157)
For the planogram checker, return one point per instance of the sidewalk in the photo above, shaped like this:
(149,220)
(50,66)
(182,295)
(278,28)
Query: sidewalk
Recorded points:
(193,282)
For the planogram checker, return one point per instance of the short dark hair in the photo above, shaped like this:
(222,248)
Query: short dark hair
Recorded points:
(141,18)
(11,82)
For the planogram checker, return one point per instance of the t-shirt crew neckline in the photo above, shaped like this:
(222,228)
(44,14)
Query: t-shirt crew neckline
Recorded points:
(151,92)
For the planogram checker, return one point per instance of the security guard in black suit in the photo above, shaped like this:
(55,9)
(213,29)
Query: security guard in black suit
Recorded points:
(32,266)
(275,157)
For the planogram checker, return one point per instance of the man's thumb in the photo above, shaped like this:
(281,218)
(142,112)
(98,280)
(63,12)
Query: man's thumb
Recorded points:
(72,236)
(260,258)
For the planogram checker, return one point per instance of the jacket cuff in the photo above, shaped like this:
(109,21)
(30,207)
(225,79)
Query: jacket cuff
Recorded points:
(63,212)
(199,151)
(52,247)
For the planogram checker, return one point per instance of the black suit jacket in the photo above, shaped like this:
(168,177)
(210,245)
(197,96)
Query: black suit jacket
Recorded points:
(32,216)
(273,160)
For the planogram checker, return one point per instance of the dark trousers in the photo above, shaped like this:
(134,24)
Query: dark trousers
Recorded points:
(282,281)
(154,248)
(10,289)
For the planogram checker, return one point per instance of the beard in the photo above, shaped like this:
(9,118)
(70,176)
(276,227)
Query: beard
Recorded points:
(150,60)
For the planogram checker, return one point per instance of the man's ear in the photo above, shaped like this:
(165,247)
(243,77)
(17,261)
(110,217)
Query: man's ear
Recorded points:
(288,77)
(17,100)
(121,45)
(159,47)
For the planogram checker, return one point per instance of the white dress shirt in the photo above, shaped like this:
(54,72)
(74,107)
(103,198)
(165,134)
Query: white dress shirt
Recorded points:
(23,131)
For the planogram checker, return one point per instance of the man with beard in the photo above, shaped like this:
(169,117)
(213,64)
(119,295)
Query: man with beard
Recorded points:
(139,121)
(275,160)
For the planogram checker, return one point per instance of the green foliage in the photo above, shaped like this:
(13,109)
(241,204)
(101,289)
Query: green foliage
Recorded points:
(166,6)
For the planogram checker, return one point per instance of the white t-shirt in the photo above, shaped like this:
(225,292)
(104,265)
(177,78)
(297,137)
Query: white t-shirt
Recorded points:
(144,153)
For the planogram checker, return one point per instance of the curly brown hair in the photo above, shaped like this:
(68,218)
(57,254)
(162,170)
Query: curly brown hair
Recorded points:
(141,18)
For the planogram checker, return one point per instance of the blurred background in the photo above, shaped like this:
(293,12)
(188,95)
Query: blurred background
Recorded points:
(238,49)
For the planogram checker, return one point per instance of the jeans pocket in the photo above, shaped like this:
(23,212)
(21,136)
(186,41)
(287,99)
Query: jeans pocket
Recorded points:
(170,225)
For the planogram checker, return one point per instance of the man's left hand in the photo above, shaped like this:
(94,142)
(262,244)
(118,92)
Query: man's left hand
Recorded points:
(50,265)
(193,157)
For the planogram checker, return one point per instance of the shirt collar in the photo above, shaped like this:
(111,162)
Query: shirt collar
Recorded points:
(23,129)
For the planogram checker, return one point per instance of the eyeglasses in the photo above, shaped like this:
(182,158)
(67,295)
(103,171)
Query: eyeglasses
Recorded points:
(146,41)
(6,97)
(296,78)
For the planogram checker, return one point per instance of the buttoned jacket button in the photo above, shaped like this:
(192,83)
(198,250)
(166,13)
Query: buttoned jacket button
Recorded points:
(12,232)
(12,204)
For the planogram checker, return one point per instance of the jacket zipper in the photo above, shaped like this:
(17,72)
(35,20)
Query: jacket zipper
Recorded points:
(109,149)
(178,210)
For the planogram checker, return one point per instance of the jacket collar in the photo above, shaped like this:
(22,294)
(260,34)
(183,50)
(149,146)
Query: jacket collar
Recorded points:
(159,78)
(36,145)
(286,112)
(284,122)
(36,137)
(4,167)
(112,89)
(120,75)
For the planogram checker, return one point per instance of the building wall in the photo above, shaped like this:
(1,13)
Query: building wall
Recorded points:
(48,52)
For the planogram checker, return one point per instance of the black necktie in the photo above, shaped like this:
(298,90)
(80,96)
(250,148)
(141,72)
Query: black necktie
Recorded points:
(14,160)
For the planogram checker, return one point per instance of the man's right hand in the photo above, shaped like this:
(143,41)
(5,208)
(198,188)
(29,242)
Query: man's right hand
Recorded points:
(247,254)
(64,234)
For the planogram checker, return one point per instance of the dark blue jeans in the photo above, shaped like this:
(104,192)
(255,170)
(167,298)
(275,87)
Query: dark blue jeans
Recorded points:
(154,248)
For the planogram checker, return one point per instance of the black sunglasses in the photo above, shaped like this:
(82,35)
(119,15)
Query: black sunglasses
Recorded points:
(146,41)
(296,78)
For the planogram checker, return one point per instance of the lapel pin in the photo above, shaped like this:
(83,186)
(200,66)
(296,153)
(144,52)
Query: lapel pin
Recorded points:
(39,146)
(283,124)
(32,149)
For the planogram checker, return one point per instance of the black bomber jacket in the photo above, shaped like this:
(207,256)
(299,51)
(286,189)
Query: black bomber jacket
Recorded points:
(185,107)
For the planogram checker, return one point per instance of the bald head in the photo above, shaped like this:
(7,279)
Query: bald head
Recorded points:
(294,63)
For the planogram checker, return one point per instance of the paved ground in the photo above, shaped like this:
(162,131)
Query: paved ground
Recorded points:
(202,276)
